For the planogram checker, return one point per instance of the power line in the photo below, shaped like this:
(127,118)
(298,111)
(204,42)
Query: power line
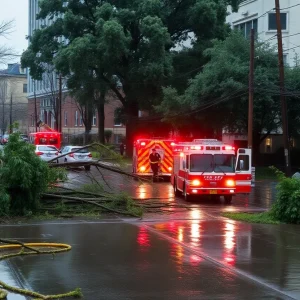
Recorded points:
(290,6)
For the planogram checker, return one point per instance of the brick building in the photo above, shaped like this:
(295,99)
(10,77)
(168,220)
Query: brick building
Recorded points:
(72,124)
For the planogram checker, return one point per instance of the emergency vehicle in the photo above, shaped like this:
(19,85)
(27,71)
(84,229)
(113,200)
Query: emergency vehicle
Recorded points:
(47,137)
(141,151)
(210,167)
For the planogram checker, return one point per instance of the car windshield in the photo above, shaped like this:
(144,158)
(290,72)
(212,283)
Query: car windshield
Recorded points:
(80,150)
(218,163)
(46,148)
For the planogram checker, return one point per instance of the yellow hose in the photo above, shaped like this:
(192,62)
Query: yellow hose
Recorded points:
(62,248)
(51,245)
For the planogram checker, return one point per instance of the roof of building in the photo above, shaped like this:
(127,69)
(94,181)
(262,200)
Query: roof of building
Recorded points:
(13,69)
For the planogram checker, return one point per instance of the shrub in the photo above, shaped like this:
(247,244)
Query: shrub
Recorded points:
(24,176)
(287,206)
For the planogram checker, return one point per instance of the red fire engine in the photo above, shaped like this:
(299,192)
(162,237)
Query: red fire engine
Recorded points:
(47,137)
(141,151)
(210,167)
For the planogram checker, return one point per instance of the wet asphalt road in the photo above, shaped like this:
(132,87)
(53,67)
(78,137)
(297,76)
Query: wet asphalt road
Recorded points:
(194,254)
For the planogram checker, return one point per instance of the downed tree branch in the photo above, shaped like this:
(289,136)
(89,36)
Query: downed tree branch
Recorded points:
(92,202)
(100,165)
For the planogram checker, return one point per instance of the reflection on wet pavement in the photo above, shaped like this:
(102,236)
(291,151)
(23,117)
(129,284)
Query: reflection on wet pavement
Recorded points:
(270,253)
(190,253)
(123,261)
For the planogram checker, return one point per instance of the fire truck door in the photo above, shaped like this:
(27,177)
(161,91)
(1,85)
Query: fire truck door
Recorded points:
(243,171)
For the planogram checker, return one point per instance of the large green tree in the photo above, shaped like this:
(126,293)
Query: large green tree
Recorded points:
(218,95)
(123,41)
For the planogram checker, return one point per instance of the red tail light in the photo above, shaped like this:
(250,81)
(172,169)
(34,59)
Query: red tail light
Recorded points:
(90,155)
(39,153)
(56,153)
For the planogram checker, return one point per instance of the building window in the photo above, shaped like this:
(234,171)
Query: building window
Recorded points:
(81,121)
(246,27)
(268,145)
(117,117)
(66,118)
(24,87)
(272,21)
(76,118)
(94,120)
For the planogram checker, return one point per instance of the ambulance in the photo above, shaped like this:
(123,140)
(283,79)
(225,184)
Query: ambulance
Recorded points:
(210,167)
(141,152)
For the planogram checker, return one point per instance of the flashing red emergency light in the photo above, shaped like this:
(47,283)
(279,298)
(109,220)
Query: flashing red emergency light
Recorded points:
(143,143)
(228,148)
(173,144)
(197,147)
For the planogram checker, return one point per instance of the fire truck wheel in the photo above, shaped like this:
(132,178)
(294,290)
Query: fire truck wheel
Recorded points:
(176,191)
(186,196)
(228,199)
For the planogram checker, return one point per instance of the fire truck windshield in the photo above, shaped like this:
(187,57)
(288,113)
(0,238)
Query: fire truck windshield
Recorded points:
(218,163)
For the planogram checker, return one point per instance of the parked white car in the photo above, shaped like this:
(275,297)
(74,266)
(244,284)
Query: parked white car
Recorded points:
(46,152)
(82,155)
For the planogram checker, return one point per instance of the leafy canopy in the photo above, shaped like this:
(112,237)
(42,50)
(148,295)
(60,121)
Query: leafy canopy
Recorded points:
(23,177)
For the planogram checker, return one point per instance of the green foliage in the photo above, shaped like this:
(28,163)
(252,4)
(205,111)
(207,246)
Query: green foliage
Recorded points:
(4,201)
(261,218)
(108,134)
(121,42)
(24,176)
(287,206)
(219,93)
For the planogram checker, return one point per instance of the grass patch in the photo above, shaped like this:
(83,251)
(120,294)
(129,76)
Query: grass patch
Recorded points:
(260,218)
(265,173)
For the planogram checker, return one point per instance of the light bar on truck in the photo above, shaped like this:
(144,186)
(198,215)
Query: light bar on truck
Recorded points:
(228,148)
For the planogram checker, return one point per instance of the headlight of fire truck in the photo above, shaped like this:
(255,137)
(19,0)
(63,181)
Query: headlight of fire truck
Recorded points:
(230,183)
(142,168)
(195,182)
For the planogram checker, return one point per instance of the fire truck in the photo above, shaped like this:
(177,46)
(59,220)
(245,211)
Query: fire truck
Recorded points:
(210,167)
(141,151)
(47,137)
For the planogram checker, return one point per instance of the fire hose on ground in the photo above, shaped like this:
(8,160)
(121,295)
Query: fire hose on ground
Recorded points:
(32,249)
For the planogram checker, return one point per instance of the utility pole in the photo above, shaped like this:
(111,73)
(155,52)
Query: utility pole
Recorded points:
(282,97)
(251,92)
(60,105)
(35,107)
(10,115)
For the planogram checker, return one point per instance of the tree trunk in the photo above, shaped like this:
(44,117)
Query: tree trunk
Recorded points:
(88,123)
(101,118)
(132,111)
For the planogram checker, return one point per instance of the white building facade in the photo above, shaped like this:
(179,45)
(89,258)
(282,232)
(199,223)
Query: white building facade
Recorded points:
(260,15)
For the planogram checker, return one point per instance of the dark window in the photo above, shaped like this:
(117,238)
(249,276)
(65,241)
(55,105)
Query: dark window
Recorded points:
(272,21)
(243,163)
(24,87)
(187,161)
(246,27)
(201,163)
(46,148)
(80,151)
(224,163)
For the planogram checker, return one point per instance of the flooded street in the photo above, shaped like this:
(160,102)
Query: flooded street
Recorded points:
(190,253)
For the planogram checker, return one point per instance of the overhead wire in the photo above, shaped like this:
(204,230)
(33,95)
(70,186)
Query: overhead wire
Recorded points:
(203,107)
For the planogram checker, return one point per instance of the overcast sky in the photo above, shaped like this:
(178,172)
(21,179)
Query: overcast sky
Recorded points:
(16,10)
